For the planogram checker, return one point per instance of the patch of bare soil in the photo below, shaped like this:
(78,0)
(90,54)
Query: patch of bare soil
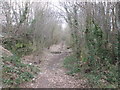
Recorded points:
(52,74)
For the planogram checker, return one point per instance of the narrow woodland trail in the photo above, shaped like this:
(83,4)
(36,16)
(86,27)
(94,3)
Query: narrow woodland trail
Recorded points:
(53,74)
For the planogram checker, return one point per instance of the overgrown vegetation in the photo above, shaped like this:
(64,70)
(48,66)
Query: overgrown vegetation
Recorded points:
(98,77)
(98,65)
(28,28)
(100,61)
(92,30)
(19,47)
(72,64)
(95,44)
(15,72)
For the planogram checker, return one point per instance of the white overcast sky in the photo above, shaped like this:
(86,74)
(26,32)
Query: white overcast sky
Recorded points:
(56,1)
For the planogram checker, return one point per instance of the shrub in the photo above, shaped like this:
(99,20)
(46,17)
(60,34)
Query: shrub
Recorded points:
(19,47)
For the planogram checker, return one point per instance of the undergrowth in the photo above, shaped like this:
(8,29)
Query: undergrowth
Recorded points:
(15,72)
(19,47)
(72,64)
(103,77)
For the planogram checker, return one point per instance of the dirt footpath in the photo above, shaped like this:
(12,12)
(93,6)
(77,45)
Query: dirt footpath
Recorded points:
(53,74)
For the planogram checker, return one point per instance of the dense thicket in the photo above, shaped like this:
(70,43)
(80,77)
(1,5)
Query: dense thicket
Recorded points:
(95,32)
